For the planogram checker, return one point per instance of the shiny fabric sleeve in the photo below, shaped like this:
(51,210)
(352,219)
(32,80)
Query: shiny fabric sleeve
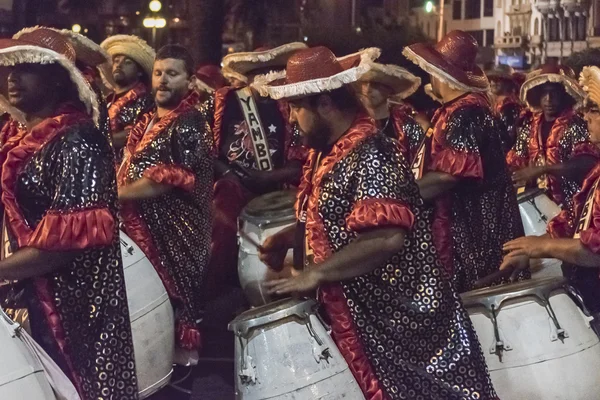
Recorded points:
(83,176)
(383,187)
(561,226)
(518,156)
(578,139)
(590,237)
(457,151)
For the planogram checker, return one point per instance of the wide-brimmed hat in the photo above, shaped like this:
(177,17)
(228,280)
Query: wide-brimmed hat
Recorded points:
(133,47)
(230,74)
(43,46)
(589,79)
(87,51)
(452,61)
(245,62)
(400,80)
(550,74)
(316,70)
(209,78)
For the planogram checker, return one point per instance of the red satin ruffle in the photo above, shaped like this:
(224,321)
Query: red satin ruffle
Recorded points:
(220,102)
(188,337)
(135,93)
(586,149)
(173,175)
(376,213)
(348,342)
(561,226)
(74,230)
(458,163)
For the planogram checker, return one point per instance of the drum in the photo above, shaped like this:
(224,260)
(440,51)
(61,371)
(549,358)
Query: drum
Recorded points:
(536,211)
(262,217)
(537,343)
(152,321)
(21,374)
(284,352)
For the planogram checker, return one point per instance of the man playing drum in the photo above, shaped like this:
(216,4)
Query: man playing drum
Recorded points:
(165,185)
(464,172)
(394,314)
(573,236)
(60,233)
(553,143)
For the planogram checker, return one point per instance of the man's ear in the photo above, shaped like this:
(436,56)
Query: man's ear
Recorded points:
(192,84)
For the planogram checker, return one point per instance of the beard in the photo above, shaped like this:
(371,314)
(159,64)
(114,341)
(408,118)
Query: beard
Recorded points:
(169,101)
(318,137)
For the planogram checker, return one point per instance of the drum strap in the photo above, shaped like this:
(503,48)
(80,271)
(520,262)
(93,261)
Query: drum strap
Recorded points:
(418,163)
(262,152)
(586,214)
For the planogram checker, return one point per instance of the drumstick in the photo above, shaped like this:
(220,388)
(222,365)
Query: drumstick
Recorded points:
(494,276)
(230,224)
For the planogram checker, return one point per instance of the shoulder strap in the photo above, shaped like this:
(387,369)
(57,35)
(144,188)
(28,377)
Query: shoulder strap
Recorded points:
(257,131)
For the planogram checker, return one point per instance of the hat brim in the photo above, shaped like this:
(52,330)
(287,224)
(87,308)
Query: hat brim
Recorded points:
(15,52)
(429,92)
(229,74)
(571,87)
(354,67)
(434,63)
(131,46)
(590,82)
(245,62)
(400,80)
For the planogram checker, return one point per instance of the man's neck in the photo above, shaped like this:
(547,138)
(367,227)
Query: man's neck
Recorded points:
(161,112)
(381,112)
(340,125)
(125,89)
(34,118)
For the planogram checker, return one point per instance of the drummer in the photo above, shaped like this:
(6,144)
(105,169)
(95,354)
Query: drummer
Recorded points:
(165,186)
(60,219)
(506,104)
(394,315)
(573,237)
(553,144)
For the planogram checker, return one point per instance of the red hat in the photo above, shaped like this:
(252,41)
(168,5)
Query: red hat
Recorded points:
(209,78)
(451,60)
(550,73)
(316,70)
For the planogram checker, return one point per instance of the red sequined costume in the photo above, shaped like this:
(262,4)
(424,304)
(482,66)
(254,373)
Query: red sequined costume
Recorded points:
(59,194)
(401,328)
(405,129)
(476,217)
(174,229)
(508,112)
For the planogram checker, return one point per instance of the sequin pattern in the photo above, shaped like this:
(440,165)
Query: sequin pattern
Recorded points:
(484,214)
(72,173)
(180,222)
(417,335)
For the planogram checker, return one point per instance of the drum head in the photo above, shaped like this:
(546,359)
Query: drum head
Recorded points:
(497,294)
(272,206)
(529,194)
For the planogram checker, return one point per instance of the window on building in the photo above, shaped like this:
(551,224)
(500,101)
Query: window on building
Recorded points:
(489,37)
(457,9)
(567,27)
(580,28)
(553,30)
(536,27)
(488,8)
(472,9)
(478,35)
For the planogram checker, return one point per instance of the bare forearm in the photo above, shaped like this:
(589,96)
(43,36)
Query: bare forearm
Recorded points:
(572,252)
(576,168)
(289,173)
(367,252)
(30,262)
(434,184)
(119,139)
(143,188)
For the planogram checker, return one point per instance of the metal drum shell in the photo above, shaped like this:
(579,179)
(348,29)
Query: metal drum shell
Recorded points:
(21,374)
(539,365)
(152,320)
(282,353)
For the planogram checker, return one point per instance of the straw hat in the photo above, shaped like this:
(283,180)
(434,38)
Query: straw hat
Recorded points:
(87,51)
(551,74)
(244,62)
(133,47)
(590,81)
(44,46)
(400,80)
(316,70)
(452,61)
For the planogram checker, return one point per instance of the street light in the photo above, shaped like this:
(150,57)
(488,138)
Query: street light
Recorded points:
(430,9)
(76,28)
(154,21)
(155,6)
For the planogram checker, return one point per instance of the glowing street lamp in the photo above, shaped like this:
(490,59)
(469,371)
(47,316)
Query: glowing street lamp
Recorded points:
(429,7)
(76,28)
(155,6)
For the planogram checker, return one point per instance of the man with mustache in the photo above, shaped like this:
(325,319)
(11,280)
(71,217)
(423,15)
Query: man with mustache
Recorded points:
(553,145)
(132,61)
(165,187)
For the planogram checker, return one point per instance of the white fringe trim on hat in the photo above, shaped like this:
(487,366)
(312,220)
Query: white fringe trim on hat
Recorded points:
(315,86)
(590,81)
(133,47)
(369,53)
(261,56)
(260,81)
(438,73)
(571,86)
(229,74)
(38,55)
(201,86)
(429,92)
(397,72)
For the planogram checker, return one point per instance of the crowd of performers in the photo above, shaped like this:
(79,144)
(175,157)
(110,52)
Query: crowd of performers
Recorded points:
(397,213)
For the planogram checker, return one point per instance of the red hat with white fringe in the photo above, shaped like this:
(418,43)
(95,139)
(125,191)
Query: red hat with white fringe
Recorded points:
(549,73)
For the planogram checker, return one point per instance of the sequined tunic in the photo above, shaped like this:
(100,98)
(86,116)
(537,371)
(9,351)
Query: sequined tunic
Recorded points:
(480,213)
(401,328)
(59,194)
(508,112)
(174,229)
(568,138)
(407,131)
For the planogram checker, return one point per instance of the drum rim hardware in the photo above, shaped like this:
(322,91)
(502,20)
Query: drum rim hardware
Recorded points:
(13,327)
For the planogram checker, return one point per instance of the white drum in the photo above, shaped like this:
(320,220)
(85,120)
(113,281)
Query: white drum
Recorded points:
(284,352)
(536,211)
(21,374)
(262,217)
(152,321)
(537,343)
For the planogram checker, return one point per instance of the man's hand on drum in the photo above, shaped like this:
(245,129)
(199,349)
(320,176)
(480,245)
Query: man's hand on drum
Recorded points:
(275,248)
(520,250)
(302,283)
(528,174)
